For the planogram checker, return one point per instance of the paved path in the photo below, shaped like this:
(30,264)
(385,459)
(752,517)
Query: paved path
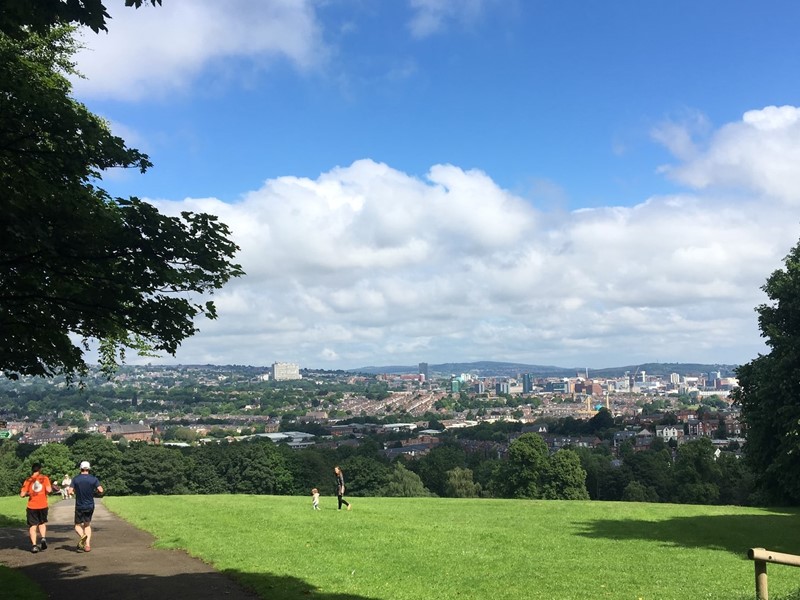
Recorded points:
(122,565)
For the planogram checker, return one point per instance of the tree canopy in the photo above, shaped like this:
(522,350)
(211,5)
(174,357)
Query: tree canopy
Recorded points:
(75,263)
(16,16)
(769,388)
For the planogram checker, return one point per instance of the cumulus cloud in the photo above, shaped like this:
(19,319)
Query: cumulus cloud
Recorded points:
(759,154)
(158,51)
(369,265)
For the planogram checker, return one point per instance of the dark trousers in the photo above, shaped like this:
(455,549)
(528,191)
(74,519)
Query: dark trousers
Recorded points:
(342,501)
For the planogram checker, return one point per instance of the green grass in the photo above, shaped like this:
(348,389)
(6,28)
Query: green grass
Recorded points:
(388,548)
(396,549)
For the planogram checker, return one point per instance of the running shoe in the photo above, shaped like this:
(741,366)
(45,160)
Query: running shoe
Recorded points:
(43,544)
(35,549)
(82,542)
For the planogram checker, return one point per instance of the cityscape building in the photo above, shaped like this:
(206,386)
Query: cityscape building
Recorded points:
(285,371)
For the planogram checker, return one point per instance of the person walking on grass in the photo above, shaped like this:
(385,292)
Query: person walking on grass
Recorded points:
(36,488)
(315,499)
(340,488)
(84,486)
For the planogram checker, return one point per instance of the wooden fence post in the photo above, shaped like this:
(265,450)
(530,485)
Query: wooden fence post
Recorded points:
(761,558)
(762,593)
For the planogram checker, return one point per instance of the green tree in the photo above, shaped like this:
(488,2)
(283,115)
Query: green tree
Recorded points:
(206,478)
(155,470)
(653,469)
(461,485)
(736,480)
(604,481)
(521,475)
(365,476)
(56,460)
(564,478)
(403,483)
(75,262)
(256,467)
(311,468)
(696,473)
(433,467)
(17,15)
(638,492)
(601,422)
(12,473)
(105,458)
(769,388)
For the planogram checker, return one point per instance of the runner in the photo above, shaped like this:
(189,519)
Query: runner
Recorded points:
(84,486)
(36,488)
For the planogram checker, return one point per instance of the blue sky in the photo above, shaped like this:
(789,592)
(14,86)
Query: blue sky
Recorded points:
(568,183)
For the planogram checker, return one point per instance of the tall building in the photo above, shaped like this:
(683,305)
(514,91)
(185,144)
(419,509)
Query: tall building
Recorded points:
(423,370)
(528,381)
(285,371)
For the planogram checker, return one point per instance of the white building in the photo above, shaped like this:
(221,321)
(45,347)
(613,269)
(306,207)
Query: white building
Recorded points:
(285,371)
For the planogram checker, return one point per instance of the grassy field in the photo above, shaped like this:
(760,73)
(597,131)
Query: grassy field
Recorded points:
(391,548)
(388,548)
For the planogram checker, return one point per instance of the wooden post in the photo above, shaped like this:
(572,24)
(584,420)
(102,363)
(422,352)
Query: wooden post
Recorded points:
(762,593)
(761,557)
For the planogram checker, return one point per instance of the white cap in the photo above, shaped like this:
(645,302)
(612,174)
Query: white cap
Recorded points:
(85,465)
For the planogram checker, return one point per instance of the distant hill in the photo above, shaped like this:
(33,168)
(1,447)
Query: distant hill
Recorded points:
(508,369)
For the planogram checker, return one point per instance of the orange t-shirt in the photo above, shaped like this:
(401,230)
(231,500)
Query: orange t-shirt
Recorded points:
(36,487)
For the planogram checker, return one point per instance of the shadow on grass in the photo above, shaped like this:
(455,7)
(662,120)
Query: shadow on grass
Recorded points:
(6,521)
(774,530)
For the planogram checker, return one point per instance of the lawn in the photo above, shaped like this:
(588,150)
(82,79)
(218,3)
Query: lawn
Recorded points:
(395,549)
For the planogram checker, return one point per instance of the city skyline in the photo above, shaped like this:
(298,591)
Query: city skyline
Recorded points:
(452,180)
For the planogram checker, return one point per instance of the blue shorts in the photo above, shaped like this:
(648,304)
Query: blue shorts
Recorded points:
(83,516)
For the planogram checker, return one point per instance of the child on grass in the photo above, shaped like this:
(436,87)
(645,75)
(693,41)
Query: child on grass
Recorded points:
(315,498)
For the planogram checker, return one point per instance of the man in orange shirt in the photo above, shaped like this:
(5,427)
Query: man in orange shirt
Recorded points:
(36,488)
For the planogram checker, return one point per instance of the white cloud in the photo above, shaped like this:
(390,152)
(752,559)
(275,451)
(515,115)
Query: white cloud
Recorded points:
(369,265)
(432,16)
(759,154)
(158,51)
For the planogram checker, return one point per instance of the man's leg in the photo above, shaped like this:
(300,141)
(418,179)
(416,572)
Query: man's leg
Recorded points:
(87,529)
(81,531)
(32,534)
(43,535)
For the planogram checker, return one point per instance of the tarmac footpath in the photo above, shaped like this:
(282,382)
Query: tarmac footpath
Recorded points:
(123,565)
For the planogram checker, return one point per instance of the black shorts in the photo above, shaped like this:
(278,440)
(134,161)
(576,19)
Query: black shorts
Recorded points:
(36,516)
(83,516)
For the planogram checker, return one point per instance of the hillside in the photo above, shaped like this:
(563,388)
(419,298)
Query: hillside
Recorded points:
(509,369)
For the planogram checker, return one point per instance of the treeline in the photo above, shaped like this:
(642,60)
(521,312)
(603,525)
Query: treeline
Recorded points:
(692,474)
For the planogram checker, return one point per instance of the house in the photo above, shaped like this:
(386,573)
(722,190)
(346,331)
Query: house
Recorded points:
(669,432)
(620,437)
(644,439)
(698,428)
